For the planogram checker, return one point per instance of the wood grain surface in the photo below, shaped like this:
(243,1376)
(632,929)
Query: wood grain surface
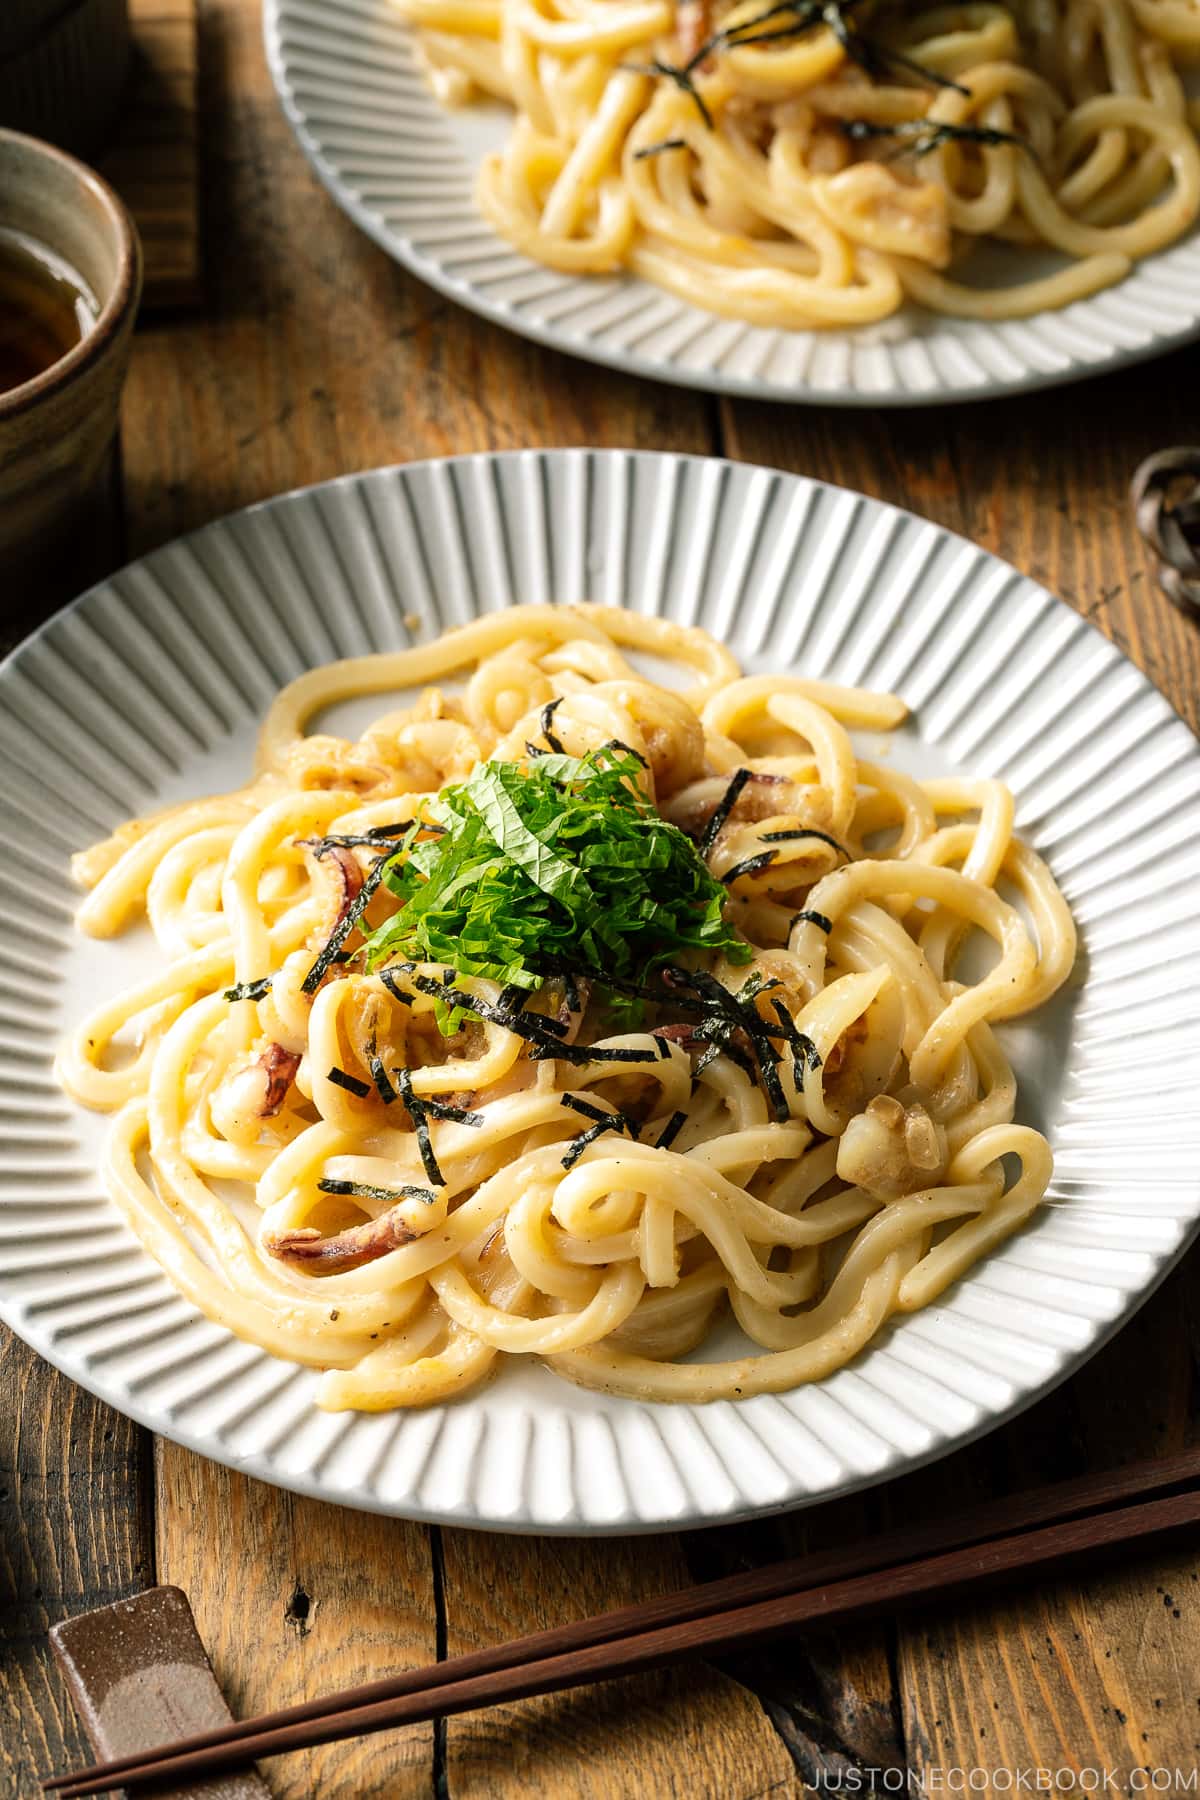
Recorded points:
(314,355)
(154,164)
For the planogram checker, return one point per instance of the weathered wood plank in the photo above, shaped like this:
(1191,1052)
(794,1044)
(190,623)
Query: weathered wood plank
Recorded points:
(683,1732)
(1063,1679)
(293,1599)
(75,1532)
(315,355)
(1077,1676)
(75,1477)
(154,161)
(831,1697)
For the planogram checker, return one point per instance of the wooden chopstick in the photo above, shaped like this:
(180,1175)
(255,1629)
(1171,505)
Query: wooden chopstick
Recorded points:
(708,1619)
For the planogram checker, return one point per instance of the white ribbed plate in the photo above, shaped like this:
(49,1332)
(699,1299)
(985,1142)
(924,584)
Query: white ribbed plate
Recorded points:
(150,689)
(403,167)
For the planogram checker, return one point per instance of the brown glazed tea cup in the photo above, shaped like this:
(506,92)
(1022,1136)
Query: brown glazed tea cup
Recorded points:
(57,429)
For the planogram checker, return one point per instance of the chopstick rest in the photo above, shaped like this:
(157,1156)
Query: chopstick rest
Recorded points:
(140,1676)
(1165,496)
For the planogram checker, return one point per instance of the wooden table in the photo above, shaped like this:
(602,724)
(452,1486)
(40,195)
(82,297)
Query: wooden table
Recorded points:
(314,355)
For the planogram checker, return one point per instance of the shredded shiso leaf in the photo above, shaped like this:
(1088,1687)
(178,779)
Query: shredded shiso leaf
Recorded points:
(559,866)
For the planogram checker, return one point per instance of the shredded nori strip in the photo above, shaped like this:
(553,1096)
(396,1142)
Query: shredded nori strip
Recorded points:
(389,981)
(439,1109)
(250,990)
(641,990)
(729,1017)
(579,1144)
(379,1075)
(657,149)
(543,1042)
(753,865)
(722,1015)
(918,137)
(366,1190)
(729,1013)
(571,992)
(756,984)
(722,810)
(665,995)
(710,993)
(808,831)
(385,833)
(602,1122)
(721,1020)
(514,999)
(682,79)
(542,1049)
(325,846)
(800,17)
(585,1107)
(341,1078)
(721,1043)
(768,1057)
(626,750)
(875,59)
(346,924)
(544,725)
(670,1131)
(811,918)
(664,1049)
(597,1113)
(802,1047)
(372,838)
(415,1108)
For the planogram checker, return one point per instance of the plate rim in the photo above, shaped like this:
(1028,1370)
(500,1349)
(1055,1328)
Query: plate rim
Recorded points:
(467,1516)
(402,251)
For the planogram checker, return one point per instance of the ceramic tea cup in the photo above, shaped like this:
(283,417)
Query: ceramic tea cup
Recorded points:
(57,429)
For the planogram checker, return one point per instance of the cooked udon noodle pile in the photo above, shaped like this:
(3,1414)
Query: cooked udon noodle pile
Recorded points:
(563,1013)
(805,164)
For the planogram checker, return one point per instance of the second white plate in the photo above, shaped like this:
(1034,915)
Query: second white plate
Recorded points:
(403,167)
(150,690)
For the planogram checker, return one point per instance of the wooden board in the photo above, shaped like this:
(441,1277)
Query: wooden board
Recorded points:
(75,1532)
(315,355)
(155,162)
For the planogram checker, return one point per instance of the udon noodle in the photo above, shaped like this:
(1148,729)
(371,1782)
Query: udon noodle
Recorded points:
(811,165)
(388,1165)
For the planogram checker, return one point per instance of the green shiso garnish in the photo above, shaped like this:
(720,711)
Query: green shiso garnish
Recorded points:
(558,868)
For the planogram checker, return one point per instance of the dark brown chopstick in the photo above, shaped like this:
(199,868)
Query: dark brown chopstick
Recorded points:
(639,1638)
